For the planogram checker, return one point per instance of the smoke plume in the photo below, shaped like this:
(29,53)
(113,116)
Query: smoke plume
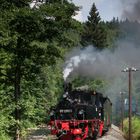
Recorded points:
(104,64)
(131,9)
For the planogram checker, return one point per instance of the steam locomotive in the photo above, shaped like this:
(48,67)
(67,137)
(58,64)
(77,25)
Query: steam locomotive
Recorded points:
(80,115)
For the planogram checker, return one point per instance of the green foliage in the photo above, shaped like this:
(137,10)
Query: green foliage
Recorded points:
(60,26)
(10,4)
(54,83)
(135,128)
(6,107)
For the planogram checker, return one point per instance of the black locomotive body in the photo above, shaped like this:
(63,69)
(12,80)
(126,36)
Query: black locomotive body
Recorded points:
(81,114)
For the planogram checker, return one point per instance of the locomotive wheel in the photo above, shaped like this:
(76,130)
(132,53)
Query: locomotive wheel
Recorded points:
(94,135)
(105,130)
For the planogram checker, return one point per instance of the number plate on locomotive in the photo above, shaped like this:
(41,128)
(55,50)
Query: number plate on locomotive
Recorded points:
(65,110)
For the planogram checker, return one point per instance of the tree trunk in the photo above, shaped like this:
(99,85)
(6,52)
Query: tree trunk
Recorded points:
(17,98)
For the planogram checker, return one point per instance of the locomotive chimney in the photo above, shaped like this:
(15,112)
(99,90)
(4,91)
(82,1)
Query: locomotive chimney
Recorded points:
(67,87)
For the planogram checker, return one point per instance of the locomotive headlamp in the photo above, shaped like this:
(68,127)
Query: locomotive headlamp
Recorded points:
(81,112)
(65,95)
(51,113)
(96,109)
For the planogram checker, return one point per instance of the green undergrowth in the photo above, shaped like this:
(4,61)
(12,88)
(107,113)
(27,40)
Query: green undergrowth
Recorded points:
(135,128)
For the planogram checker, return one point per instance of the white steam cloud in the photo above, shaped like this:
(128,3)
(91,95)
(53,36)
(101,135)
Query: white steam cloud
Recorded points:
(74,61)
(105,64)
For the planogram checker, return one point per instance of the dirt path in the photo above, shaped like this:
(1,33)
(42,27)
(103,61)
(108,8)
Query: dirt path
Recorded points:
(40,133)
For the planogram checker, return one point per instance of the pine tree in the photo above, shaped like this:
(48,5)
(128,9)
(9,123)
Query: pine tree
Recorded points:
(94,31)
(94,17)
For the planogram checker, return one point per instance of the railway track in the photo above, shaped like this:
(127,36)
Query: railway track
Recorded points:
(113,134)
(42,133)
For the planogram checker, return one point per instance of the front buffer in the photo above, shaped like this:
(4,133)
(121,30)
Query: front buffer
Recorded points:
(76,129)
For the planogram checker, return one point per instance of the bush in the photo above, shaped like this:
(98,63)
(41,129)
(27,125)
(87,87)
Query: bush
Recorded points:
(135,128)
